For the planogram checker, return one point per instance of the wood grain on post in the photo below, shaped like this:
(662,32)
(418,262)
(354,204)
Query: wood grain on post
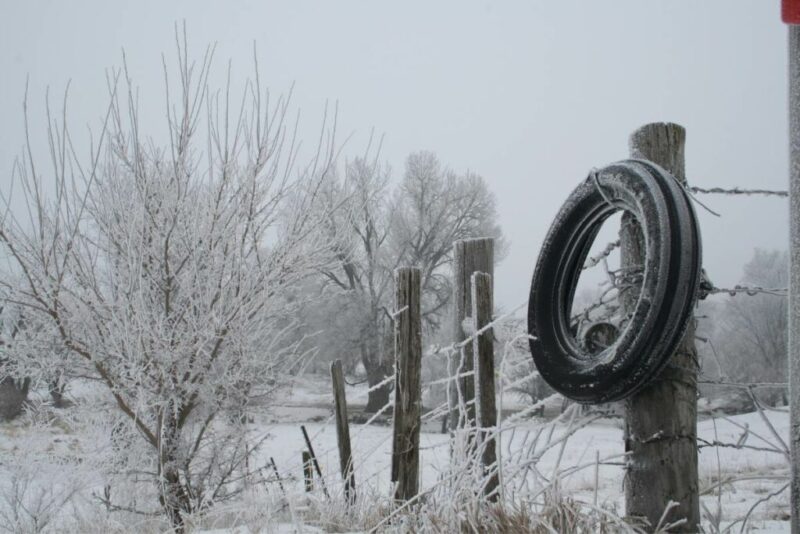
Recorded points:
(469,256)
(483,350)
(408,384)
(661,420)
(343,432)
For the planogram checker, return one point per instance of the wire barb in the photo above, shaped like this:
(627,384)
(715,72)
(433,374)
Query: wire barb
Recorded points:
(747,290)
(739,191)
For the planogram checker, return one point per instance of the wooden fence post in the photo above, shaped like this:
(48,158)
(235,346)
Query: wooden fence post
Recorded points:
(314,461)
(661,420)
(343,432)
(277,476)
(483,349)
(308,471)
(408,384)
(469,256)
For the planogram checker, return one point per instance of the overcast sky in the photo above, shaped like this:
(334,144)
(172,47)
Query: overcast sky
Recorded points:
(530,95)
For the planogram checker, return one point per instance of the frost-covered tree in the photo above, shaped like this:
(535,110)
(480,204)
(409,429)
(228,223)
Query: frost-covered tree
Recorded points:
(749,333)
(167,269)
(31,353)
(380,229)
(434,208)
(15,379)
(359,284)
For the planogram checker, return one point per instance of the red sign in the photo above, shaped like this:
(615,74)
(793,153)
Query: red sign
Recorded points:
(790,11)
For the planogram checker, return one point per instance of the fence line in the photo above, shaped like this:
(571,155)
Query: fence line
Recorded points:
(521,445)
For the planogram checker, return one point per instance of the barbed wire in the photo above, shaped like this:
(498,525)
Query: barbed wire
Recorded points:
(605,253)
(708,381)
(517,459)
(738,191)
(452,348)
(521,445)
(747,290)
(707,288)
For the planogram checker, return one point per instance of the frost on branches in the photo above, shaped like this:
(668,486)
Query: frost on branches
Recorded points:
(168,271)
(379,227)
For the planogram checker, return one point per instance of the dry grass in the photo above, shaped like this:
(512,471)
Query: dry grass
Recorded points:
(558,514)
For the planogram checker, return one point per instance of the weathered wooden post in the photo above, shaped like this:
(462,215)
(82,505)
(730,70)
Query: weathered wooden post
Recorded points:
(308,472)
(469,256)
(661,420)
(343,432)
(791,15)
(277,475)
(314,461)
(483,350)
(408,383)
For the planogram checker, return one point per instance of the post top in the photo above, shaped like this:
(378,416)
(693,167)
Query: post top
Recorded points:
(662,143)
(672,127)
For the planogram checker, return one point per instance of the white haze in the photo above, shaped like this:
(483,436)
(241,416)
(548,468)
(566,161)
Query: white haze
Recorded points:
(530,95)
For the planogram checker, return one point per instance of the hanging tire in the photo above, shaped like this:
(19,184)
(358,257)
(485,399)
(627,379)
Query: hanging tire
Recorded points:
(668,291)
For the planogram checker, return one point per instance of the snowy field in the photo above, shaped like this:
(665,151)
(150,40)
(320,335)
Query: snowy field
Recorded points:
(733,478)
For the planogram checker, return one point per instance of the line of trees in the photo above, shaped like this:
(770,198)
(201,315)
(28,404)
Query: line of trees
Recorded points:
(746,336)
(380,226)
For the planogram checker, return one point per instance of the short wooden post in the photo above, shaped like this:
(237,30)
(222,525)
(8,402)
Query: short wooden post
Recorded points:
(661,420)
(483,349)
(314,461)
(343,432)
(308,472)
(277,475)
(408,384)
(469,256)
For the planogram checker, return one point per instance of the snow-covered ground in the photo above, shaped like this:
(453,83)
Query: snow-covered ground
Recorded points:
(753,474)
(733,479)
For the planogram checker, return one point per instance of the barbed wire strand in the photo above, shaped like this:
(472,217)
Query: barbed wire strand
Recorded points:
(739,191)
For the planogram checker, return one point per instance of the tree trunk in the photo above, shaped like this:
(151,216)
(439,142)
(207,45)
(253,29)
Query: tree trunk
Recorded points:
(173,496)
(174,500)
(378,367)
(13,395)
(377,372)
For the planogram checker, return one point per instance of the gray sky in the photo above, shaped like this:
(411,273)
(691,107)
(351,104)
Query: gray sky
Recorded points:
(530,95)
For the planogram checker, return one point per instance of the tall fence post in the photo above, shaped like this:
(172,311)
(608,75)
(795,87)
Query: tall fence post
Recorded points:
(343,432)
(469,256)
(408,384)
(794,277)
(483,349)
(661,420)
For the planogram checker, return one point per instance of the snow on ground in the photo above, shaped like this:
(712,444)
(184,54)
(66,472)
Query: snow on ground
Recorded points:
(747,475)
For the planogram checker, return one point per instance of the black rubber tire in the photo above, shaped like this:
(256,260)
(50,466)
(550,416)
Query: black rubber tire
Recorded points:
(668,292)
